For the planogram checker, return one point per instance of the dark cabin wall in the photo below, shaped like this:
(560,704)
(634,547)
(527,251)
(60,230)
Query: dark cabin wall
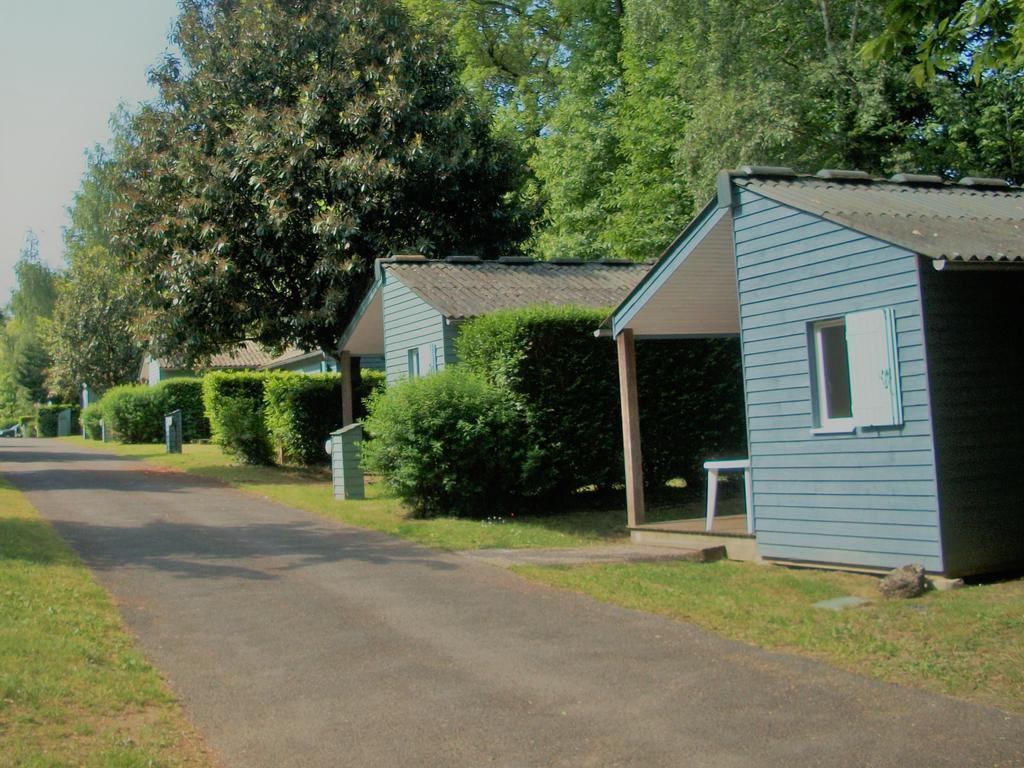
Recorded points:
(974,341)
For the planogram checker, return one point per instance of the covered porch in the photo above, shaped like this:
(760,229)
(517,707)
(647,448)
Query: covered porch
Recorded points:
(690,293)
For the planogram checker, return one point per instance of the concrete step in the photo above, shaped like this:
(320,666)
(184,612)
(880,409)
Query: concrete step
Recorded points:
(736,548)
(626,553)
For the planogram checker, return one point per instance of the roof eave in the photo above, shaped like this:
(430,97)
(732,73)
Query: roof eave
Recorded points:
(629,306)
(364,306)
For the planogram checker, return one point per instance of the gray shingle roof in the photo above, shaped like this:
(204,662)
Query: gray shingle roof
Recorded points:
(462,289)
(972,221)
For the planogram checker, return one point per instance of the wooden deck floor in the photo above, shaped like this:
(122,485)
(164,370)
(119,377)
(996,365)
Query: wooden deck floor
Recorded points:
(725,525)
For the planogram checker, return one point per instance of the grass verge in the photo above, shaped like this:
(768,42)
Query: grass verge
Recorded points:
(74,690)
(967,642)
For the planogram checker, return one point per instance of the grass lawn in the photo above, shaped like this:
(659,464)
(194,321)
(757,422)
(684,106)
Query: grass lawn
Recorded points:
(967,642)
(73,688)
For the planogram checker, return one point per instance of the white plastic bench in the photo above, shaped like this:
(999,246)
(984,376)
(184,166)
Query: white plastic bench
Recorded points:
(735,465)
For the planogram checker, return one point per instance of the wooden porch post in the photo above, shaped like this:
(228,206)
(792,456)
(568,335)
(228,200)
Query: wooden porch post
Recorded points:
(345,367)
(630,407)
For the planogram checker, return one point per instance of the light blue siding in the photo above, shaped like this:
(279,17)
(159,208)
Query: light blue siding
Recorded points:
(451,331)
(372,362)
(309,366)
(409,322)
(867,498)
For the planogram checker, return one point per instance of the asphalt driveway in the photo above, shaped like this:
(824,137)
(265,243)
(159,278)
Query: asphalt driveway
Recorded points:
(294,641)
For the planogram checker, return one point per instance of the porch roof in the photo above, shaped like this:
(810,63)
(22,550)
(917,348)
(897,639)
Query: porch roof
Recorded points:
(691,290)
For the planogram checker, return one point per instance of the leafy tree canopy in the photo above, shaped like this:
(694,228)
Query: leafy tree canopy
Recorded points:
(23,358)
(292,144)
(633,131)
(91,338)
(36,291)
(984,35)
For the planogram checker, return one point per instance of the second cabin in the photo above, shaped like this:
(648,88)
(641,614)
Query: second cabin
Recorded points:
(412,312)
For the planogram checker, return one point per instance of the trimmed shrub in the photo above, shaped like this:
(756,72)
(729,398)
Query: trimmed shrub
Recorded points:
(691,407)
(234,406)
(48,415)
(28,425)
(134,413)
(370,382)
(564,381)
(91,417)
(186,395)
(446,444)
(301,411)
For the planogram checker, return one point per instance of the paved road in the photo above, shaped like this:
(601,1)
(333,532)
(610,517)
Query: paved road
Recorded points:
(293,641)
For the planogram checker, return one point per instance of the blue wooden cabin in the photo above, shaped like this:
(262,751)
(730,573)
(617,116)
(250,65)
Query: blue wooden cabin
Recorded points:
(882,338)
(412,312)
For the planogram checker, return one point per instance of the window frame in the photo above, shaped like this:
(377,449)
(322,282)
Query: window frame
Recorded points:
(823,423)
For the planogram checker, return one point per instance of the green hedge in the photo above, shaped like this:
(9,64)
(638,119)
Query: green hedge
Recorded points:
(691,407)
(370,382)
(47,419)
(28,425)
(446,444)
(186,395)
(564,381)
(91,417)
(134,413)
(234,405)
(301,411)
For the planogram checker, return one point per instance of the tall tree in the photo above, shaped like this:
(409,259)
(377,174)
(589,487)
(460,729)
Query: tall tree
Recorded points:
(36,291)
(516,54)
(23,358)
(91,338)
(986,35)
(292,144)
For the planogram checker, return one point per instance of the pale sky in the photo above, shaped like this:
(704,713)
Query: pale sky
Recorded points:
(65,65)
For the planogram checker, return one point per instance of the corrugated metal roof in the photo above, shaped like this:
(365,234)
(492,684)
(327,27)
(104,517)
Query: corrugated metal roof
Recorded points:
(958,222)
(466,289)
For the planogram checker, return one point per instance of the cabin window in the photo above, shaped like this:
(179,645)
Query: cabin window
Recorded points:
(834,401)
(856,372)
(422,360)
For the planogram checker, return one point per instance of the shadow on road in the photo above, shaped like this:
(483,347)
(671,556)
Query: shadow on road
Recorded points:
(256,551)
(128,480)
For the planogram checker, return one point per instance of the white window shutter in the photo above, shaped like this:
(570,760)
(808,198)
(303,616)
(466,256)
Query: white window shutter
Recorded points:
(428,358)
(874,368)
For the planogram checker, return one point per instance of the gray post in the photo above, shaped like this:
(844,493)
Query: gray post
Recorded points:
(347,462)
(172,431)
(85,404)
(64,423)
(103,431)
